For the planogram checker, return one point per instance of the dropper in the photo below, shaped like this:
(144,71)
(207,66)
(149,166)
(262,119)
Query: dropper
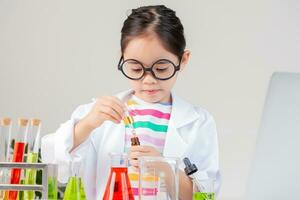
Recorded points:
(128,120)
(190,170)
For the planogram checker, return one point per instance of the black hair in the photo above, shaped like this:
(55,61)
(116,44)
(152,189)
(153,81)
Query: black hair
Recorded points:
(157,19)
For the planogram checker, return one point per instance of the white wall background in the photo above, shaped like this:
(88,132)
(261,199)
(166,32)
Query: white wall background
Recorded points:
(55,55)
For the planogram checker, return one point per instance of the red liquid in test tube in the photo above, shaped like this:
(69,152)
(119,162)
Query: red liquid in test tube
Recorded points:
(18,155)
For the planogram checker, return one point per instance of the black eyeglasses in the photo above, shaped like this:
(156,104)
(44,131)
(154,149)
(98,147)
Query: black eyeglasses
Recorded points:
(162,69)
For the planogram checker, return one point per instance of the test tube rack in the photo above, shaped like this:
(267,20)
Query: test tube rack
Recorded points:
(43,188)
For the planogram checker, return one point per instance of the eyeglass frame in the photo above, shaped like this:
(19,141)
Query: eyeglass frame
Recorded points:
(149,69)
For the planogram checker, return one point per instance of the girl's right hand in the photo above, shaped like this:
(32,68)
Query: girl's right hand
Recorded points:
(106,108)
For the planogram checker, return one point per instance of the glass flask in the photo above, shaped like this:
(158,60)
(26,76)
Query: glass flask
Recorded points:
(118,185)
(158,178)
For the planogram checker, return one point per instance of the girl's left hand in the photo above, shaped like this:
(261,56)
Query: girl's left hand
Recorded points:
(136,151)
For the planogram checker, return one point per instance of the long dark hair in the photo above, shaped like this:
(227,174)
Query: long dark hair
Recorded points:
(159,20)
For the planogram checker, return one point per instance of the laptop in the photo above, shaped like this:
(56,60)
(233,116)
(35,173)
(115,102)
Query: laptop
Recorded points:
(275,172)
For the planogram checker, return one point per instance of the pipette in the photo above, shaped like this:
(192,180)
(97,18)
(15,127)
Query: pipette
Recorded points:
(128,120)
(190,170)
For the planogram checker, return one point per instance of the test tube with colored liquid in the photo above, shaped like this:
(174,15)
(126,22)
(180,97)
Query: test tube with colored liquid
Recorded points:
(33,142)
(19,141)
(5,130)
(52,181)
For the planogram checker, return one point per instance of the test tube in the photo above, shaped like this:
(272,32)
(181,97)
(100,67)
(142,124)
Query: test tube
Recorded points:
(52,181)
(32,154)
(5,130)
(6,124)
(19,142)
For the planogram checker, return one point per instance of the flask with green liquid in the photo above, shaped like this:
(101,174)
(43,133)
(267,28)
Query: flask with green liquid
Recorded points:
(75,187)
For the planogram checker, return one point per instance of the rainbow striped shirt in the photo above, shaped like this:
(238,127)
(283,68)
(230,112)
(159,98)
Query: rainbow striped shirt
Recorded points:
(151,125)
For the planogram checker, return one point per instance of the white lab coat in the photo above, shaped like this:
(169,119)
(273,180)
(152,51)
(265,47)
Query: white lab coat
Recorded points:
(191,133)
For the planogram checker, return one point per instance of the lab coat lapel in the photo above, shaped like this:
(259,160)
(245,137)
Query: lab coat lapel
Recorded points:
(183,113)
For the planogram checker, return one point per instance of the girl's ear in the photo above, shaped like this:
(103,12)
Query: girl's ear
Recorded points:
(185,59)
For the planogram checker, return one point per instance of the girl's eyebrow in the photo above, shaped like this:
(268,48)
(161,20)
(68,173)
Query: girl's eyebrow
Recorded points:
(161,60)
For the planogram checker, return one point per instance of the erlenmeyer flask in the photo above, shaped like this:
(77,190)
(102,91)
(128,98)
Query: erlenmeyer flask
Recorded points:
(118,185)
(75,188)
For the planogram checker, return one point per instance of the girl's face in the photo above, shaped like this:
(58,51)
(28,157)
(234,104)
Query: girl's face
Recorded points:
(147,50)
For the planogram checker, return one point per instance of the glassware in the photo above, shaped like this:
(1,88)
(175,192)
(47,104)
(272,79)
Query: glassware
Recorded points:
(32,155)
(5,130)
(52,181)
(19,142)
(158,178)
(75,188)
(203,189)
(118,186)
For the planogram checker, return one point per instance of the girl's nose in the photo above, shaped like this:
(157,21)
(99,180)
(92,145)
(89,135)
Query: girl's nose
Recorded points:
(149,79)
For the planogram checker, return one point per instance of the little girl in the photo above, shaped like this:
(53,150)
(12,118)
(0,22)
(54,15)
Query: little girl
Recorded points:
(153,54)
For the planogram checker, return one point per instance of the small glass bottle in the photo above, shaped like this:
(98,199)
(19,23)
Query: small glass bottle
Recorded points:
(203,189)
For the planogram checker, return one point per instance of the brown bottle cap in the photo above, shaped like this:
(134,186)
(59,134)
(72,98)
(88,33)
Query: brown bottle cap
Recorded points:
(22,122)
(35,122)
(135,141)
(5,121)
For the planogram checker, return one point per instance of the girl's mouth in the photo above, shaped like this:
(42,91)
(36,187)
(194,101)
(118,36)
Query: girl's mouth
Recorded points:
(151,92)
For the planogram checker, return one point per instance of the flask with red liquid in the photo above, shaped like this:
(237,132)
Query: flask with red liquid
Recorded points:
(118,185)
(19,143)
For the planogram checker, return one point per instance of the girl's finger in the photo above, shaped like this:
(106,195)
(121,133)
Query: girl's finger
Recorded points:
(116,104)
(135,154)
(140,148)
(110,111)
(134,163)
(109,118)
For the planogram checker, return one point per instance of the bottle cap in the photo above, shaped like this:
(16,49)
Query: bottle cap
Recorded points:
(5,121)
(135,141)
(189,167)
(22,122)
(35,122)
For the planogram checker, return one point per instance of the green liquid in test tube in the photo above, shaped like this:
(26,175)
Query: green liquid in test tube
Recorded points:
(52,181)
(30,176)
(52,188)
(32,156)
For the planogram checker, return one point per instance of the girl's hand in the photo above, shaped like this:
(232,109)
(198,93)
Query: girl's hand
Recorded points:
(106,108)
(137,151)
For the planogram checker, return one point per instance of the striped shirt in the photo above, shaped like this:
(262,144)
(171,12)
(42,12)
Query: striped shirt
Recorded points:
(151,125)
